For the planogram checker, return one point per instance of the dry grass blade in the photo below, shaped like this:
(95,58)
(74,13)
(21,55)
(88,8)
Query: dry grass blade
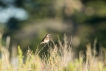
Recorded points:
(59,58)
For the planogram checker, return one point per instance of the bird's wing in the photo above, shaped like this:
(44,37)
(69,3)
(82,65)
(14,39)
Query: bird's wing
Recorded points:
(43,39)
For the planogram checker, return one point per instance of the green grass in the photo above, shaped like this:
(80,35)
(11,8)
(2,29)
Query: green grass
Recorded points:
(59,58)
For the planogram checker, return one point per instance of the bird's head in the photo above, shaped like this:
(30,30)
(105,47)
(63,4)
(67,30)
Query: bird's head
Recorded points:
(48,35)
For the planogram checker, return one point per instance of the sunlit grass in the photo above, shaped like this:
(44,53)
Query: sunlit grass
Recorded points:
(60,57)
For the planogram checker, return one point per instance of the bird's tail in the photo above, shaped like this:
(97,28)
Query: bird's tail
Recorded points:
(41,42)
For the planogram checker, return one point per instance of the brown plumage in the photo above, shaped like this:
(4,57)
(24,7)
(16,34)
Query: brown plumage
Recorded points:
(46,39)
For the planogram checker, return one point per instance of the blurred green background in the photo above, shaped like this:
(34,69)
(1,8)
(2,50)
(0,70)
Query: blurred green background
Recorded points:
(28,21)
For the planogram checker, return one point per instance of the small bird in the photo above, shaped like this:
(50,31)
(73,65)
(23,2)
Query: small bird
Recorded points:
(46,39)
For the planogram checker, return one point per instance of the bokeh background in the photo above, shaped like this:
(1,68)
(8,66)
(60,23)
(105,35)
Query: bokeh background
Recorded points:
(28,21)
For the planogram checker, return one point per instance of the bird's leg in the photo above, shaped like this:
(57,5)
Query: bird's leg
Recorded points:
(48,44)
(45,44)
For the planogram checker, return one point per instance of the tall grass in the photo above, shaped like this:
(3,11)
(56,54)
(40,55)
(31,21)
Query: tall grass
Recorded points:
(60,57)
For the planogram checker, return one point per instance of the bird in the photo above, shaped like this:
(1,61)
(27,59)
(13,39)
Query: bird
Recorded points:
(46,39)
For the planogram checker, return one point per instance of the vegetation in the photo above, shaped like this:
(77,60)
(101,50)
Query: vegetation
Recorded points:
(27,21)
(60,57)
